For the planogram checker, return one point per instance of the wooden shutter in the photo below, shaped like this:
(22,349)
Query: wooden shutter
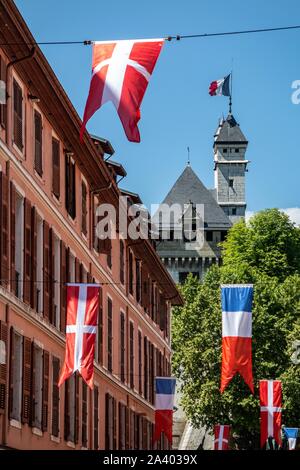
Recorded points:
(77,270)
(122,426)
(4,193)
(18,115)
(140,361)
(76,408)
(162,309)
(34,347)
(114,401)
(83,208)
(67,414)
(122,347)
(26,386)
(100,328)
(63,288)
(122,262)
(45,391)
(46,276)
(107,421)
(13,237)
(55,396)
(84,414)
(131,352)
(3,108)
(70,187)
(130,272)
(127,436)
(33,293)
(27,253)
(146,383)
(144,288)
(55,168)
(109,334)
(3,367)
(38,148)
(96,418)
(11,363)
(132,429)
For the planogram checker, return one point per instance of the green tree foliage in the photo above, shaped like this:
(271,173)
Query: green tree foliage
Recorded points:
(265,252)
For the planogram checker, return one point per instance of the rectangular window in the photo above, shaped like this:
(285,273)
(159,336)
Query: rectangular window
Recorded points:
(131,354)
(122,262)
(55,396)
(108,249)
(237,150)
(100,329)
(109,335)
(110,422)
(38,143)
(138,281)
(39,264)
(130,272)
(3,108)
(122,426)
(18,115)
(140,362)
(209,236)
(83,208)
(224,150)
(70,186)
(84,416)
(96,418)
(122,347)
(16,367)
(71,408)
(55,167)
(233,211)
(37,386)
(56,276)
(19,245)
(231,180)
(146,369)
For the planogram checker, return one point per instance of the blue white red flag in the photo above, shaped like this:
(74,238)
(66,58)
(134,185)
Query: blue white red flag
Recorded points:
(164,402)
(236,333)
(291,434)
(220,87)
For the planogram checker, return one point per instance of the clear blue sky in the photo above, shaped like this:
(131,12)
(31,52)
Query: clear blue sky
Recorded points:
(177,111)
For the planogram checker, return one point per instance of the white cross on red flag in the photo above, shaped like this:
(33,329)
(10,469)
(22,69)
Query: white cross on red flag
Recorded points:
(81,328)
(270,393)
(222,432)
(121,71)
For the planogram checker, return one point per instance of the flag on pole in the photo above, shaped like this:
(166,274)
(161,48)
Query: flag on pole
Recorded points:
(81,328)
(220,87)
(236,333)
(291,434)
(121,71)
(222,432)
(164,402)
(270,394)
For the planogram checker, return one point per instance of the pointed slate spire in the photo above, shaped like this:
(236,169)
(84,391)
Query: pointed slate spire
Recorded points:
(229,132)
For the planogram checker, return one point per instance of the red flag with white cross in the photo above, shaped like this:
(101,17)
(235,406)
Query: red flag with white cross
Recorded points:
(81,328)
(270,393)
(222,433)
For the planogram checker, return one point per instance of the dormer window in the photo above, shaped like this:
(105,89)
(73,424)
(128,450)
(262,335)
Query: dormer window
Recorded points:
(224,150)
(237,150)
(231,180)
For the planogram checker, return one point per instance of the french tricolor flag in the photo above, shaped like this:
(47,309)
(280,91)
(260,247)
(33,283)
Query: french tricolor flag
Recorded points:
(220,87)
(164,402)
(237,333)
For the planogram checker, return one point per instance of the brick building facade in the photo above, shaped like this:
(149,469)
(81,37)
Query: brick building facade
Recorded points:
(50,185)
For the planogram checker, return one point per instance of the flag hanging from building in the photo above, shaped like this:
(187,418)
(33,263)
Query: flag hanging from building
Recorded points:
(291,435)
(270,394)
(222,432)
(220,87)
(164,402)
(81,328)
(237,333)
(121,71)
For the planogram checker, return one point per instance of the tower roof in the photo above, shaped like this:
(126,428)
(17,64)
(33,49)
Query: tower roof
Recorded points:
(229,132)
(188,188)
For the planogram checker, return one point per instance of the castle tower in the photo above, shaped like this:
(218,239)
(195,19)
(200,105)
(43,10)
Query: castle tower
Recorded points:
(230,147)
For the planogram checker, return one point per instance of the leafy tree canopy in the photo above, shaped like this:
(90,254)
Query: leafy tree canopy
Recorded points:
(265,252)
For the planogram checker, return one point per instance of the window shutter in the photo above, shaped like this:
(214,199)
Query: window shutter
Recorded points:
(3,367)
(76,408)
(122,262)
(122,426)
(33,293)
(140,361)
(46,277)
(13,237)
(96,418)
(131,352)
(162,309)
(107,421)
(55,397)
(110,337)
(83,208)
(55,167)
(3,108)
(45,391)
(146,389)
(27,252)
(132,429)
(32,371)
(26,395)
(63,288)
(122,347)
(127,436)
(18,115)
(145,433)
(114,410)
(38,149)
(77,270)
(84,414)
(67,411)
(4,192)
(100,328)
(11,362)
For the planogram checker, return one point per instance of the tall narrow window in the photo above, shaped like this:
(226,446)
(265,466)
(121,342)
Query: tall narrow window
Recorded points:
(3,108)
(96,418)
(138,290)
(55,396)
(84,416)
(130,273)
(122,347)
(16,361)
(56,276)
(131,354)
(19,245)
(140,362)
(83,208)
(39,265)
(38,144)
(122,262)
(70,186)
(71,408)
(18,116)
(37,385)
(146,369)
(55,168)
(110,337)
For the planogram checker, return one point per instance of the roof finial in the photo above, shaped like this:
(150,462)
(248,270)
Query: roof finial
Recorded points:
(230,96)
(188,162)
